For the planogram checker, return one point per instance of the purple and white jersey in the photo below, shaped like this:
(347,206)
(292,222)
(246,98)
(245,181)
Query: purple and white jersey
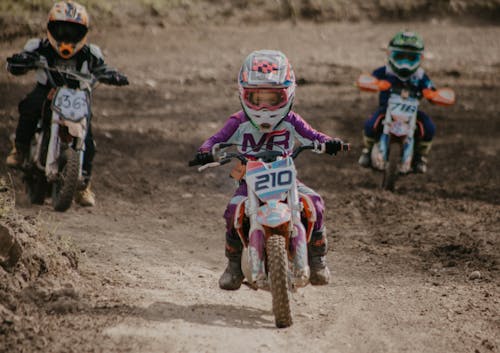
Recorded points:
(239,130)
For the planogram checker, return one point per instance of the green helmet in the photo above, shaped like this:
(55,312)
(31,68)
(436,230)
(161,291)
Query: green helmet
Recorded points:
(405,53)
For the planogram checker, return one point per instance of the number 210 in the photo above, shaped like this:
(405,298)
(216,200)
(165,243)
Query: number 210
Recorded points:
(273,179)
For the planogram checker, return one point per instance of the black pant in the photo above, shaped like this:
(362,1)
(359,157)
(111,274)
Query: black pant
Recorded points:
(30,110)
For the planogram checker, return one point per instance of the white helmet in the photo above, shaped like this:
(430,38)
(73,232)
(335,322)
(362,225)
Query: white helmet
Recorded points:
(267,88)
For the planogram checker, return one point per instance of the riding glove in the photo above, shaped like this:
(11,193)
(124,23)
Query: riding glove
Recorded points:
(204,158)
(333,146)
(19,64)
(114,78)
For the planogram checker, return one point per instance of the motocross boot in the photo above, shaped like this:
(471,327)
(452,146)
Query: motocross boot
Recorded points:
(365,158)
(85,197)
(232,277)
(16,156)
(317,249)
(420,159)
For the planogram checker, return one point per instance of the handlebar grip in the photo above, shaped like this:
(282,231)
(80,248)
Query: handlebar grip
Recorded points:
(193,163)
(225,161)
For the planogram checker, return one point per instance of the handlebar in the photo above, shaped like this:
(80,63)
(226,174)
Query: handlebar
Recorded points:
(226,157)
(88,79)
(345,147)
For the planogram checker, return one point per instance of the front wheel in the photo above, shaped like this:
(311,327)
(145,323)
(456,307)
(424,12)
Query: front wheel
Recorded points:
(64,188)
(391,170)
(277,260)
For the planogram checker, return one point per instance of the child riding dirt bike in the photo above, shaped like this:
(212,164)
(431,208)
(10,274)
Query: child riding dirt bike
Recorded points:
(266,123)
(64,48)
(402,73)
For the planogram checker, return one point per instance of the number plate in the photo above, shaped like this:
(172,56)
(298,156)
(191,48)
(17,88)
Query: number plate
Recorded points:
(71,104)
(403,114)
(270,181)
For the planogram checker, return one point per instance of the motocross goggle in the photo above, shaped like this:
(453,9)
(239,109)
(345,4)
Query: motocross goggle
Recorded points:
(265,98)
(402,57)
(67,32)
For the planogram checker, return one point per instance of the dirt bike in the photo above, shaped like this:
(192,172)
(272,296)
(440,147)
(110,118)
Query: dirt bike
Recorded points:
(55,158)
(274,223)
(393,152)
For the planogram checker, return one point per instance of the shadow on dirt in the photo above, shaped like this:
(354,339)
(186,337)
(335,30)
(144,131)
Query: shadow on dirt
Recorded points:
(206,314)
(213,314)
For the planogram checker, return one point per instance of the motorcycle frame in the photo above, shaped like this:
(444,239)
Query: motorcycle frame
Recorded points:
(253,259)
(51,168)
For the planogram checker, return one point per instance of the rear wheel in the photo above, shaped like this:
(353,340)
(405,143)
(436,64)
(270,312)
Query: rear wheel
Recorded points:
(391,171)
(277,260)
(63,190)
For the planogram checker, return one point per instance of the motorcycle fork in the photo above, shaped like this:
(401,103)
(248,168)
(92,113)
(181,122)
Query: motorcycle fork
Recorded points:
(38,142)
(298,243)
(60,138)
(36,150)
(408,142)
(51,164)
(256,245)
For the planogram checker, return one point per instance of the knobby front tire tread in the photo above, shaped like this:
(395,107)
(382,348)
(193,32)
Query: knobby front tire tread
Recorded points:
(278,273)
(391,172)
(63,194)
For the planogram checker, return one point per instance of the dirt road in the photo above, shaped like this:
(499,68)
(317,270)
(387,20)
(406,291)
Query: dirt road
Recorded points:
(151,251)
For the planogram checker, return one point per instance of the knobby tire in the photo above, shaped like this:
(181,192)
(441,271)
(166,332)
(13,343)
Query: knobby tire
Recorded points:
(65,187)
(278,274)
(391,171)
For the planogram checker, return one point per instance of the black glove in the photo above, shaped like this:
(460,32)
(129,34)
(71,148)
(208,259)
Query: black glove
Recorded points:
(26,59)
(114,78)
(204,158)
(333,146)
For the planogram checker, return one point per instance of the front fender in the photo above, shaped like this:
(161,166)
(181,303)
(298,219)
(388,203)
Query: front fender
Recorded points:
(76,129)
(273,214)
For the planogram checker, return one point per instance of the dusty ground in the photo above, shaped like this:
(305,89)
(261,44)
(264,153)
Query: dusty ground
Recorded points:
(151,251)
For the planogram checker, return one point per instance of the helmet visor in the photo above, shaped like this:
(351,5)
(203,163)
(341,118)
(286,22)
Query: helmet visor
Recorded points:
(265,98)
(409,58)
(68,32)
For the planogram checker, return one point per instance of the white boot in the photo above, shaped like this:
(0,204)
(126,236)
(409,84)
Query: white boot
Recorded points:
(85,197)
